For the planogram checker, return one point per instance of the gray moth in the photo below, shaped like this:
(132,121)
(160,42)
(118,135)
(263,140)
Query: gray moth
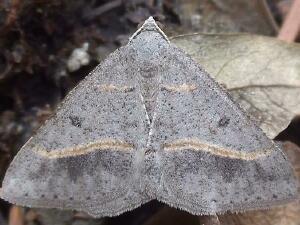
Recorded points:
(149,123)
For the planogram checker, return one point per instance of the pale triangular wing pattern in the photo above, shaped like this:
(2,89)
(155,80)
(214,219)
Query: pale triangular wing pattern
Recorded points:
(211,156)
(86,157)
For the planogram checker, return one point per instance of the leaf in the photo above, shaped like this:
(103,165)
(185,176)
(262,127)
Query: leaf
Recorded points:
(172,216)
(216,16)
(286,215)
(261,73)
(16,216)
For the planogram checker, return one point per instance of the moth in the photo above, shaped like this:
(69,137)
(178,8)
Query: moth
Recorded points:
(149,123)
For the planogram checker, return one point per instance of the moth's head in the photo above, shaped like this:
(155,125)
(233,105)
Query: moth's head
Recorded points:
(150,30)
(149,24)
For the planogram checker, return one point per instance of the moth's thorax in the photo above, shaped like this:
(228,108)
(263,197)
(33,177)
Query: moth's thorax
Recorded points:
(150,64)
(149,88)
(149,82)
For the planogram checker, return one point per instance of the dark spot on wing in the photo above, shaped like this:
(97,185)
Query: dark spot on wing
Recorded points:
(224,121)
(76,121)
(130,89)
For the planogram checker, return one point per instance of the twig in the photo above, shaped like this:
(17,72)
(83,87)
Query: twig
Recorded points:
(16,216)
(209,220)
(102,9)
(264,7)
(221,5)
(8,66)
(291,25)
(82,215)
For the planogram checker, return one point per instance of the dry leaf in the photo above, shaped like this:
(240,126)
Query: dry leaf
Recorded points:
(286,215)
(172,216)
(16,216)
(209,220)
(261,73)
(54,216)
(225,16)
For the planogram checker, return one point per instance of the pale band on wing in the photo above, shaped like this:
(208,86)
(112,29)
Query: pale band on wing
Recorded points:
(84,149)
(180,88)
(197,145)
(182,144)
